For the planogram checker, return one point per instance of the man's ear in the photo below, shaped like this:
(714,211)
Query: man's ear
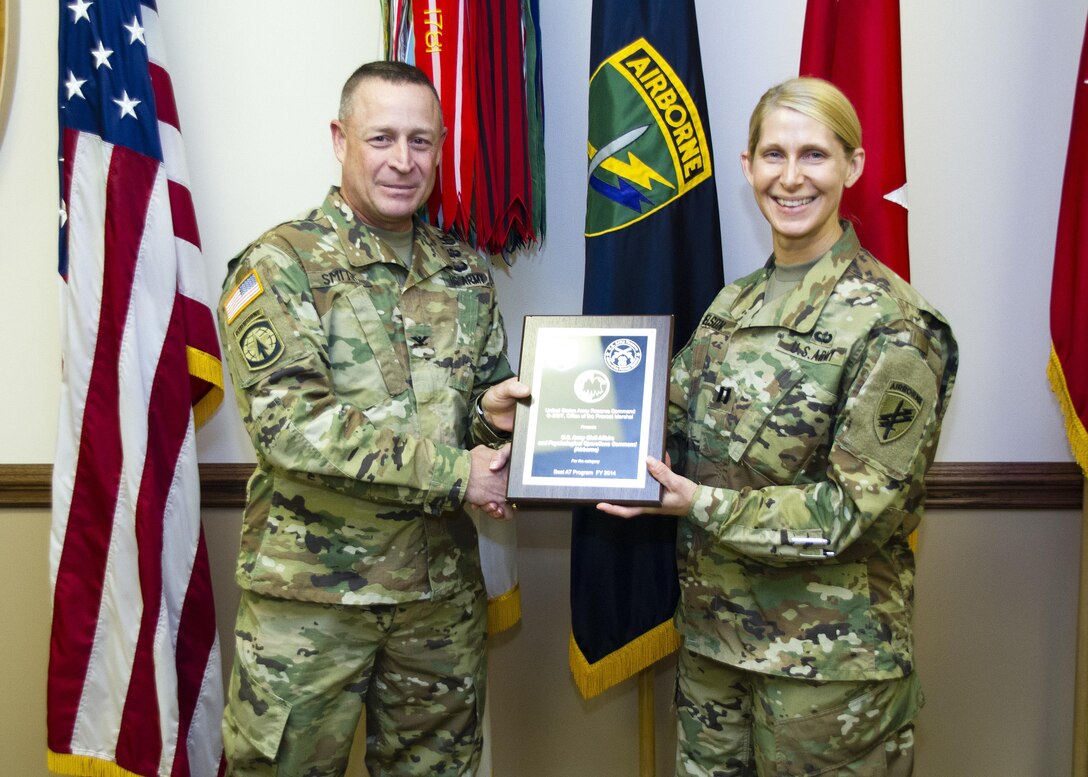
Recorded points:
(339,139)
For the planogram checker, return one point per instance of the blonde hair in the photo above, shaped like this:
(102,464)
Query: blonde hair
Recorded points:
(815,98)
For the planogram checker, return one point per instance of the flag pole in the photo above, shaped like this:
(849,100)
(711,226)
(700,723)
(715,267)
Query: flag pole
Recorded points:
(646,723)
(1080,688)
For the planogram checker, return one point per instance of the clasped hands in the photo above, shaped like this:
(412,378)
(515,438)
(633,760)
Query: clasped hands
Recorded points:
(489,467)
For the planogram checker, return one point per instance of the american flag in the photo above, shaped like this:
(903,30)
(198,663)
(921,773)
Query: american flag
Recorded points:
(134,669)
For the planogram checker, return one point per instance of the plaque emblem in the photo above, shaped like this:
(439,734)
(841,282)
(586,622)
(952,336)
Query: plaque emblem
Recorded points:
(622,355)
(592,386)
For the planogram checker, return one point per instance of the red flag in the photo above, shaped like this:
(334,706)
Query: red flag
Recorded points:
(1068,367)
(504,199)
(134,681)
(444,52)
(855,45)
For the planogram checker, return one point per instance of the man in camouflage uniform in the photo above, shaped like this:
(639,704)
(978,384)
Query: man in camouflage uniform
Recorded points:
(803,416)
(368,358)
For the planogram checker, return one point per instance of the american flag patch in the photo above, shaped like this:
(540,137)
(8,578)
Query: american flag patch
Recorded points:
(245,292)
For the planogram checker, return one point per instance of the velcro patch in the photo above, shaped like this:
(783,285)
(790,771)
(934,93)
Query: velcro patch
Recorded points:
(888,416)
(259,342)
(245,292)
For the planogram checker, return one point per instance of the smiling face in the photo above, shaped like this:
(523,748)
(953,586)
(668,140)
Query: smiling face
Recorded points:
(798,171)
(389,145)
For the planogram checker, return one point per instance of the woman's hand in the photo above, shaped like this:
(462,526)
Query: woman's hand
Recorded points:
(675,500)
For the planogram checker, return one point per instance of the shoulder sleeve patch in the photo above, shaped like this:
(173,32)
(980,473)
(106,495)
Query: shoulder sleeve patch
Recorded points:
(892,413)
(899,408)
(245,292)
(259,342)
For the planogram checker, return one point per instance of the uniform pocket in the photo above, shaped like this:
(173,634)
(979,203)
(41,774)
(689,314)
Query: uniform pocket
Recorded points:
(779,431)
(255,721)
(847,734)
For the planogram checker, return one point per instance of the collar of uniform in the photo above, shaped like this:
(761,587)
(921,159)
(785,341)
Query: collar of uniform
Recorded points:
(362,247)
(431,254)
(800,308)
(359,245)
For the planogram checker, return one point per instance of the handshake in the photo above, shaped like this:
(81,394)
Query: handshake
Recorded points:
(490,467)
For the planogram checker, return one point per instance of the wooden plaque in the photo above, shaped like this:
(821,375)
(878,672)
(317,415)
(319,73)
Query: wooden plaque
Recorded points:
(599,394)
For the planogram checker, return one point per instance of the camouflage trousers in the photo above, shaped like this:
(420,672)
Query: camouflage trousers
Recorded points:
(304,672)
(735,723)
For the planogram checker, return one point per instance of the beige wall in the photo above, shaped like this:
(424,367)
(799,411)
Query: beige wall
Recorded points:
(995,623)
(988,90)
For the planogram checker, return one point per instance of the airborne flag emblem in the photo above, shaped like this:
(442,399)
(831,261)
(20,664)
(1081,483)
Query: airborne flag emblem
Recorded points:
(647,145)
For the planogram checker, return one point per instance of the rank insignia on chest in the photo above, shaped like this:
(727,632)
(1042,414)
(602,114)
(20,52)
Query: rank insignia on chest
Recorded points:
(899,409)
(259,342)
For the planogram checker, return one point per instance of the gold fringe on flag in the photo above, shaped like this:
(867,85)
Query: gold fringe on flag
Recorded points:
(84,766)
(594,679)
(209,369)
(504,611)
(1074,427)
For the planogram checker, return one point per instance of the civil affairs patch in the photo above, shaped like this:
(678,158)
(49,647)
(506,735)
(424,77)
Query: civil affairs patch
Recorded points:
(898,410)
(259,342)
(647,146)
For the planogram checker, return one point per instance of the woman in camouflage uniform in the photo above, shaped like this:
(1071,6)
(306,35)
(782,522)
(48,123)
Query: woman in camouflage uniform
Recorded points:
(804,413)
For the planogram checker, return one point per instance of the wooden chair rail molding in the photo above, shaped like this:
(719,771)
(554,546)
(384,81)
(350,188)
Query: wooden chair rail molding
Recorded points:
(956,485)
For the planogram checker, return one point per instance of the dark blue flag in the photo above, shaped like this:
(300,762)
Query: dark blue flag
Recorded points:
(653,246)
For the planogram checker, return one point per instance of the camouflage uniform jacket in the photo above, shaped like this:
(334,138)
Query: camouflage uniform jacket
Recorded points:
(808,424)
(356,380)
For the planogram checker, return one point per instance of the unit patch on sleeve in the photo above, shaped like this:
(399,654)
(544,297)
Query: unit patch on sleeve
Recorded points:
(259,342)
(897,412)
(245,292)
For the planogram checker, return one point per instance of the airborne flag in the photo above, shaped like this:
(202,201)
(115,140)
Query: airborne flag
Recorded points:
(653,246)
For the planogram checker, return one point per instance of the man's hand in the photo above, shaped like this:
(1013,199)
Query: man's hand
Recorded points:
(499,401)
(487,480)
(676,499)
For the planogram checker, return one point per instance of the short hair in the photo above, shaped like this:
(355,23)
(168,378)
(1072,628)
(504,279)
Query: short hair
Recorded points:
(816,98)
(382,70)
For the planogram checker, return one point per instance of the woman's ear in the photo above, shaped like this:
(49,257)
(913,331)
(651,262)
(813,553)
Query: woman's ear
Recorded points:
(857,164)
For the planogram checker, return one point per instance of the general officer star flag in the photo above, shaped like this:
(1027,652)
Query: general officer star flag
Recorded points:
(134,682)
(1068,364)
(854,44)
(653,246)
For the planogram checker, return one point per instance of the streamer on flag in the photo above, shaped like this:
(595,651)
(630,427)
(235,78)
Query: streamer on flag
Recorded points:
(484,59)
(1068,366)
(855,45)
(653,245)
(134,684)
